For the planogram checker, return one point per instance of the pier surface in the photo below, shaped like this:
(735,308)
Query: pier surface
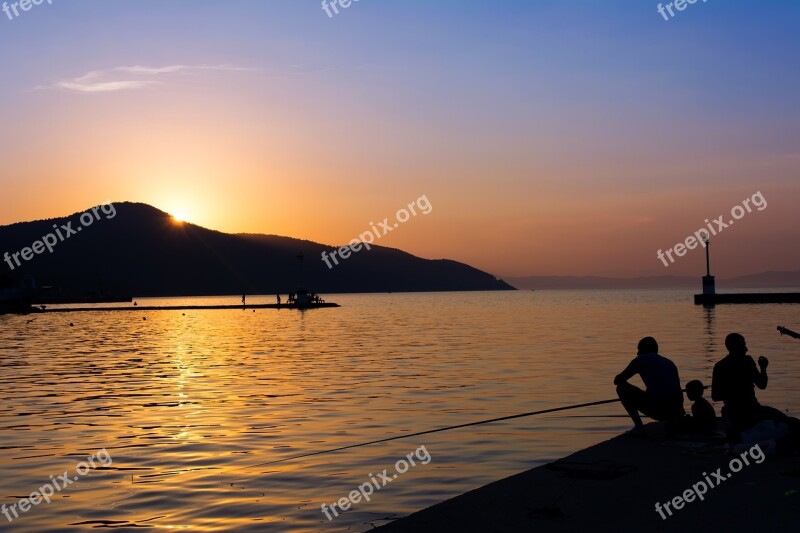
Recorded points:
(583,495)
(181,308)
(748,298)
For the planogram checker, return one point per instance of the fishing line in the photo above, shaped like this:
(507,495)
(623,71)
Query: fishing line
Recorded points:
(406,436)
(428,432)
(438,430)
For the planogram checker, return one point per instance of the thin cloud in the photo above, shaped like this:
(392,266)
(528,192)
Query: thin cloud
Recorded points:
(122,78)
(102,87)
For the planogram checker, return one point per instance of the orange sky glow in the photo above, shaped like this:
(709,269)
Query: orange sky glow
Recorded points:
(540,156)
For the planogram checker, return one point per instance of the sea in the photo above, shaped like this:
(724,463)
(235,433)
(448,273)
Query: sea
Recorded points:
(193,420)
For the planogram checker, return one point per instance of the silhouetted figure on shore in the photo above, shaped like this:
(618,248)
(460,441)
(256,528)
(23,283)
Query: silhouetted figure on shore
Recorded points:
(734,380)
(704,418)
(244,299)
(663,399)
(279,298)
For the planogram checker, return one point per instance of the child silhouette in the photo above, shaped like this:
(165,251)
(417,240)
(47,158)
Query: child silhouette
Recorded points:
(704,418)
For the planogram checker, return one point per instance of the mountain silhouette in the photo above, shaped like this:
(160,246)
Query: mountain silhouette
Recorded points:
(142,251)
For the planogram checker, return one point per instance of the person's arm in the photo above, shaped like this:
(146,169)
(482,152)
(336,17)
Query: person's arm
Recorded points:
(630,371)
(760,378)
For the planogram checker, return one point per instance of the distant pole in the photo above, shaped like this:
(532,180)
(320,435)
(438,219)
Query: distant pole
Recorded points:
(709,287)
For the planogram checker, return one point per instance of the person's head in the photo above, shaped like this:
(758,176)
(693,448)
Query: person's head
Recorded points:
(735,344)
(694,390)
(647,345)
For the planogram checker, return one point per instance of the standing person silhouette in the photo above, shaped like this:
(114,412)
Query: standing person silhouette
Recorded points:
(244,297)
(662,399)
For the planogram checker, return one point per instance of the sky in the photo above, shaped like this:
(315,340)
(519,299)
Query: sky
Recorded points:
(550,137)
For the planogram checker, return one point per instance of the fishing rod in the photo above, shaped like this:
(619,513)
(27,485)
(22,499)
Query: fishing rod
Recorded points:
(785,331)
(437,430)
(398,437)
(428,432)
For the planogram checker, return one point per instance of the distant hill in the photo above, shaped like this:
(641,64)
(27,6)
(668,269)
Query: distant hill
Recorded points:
(763,280)
(597,282)
(142,252)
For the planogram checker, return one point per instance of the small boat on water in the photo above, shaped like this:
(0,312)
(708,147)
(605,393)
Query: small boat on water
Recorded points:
(304,299)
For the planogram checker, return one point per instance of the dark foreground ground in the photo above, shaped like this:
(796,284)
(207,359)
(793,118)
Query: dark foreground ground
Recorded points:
(614,486)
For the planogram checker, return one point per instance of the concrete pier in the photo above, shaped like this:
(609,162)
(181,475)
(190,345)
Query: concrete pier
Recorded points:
(748,298)
(615,486)
(183,308)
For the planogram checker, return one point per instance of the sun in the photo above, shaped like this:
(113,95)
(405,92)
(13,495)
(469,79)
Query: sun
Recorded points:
(181,210)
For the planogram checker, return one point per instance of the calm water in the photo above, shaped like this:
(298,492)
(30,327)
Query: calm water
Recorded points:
(189,405)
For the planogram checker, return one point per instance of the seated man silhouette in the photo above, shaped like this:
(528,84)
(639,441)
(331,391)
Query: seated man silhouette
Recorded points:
(733,382)
(663,399)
